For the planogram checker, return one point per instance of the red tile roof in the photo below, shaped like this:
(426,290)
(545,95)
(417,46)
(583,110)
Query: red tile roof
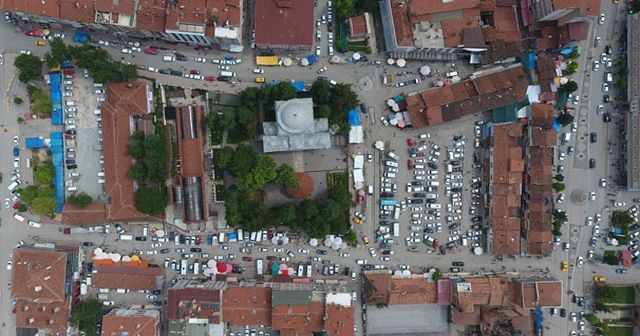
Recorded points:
(402,23)
(123,101)
(543,293)
(132,278)
(53,317)
(78,10)
(191,149)
(94,213)
(419,8)
(452,29)
(131,322)
(185,303)
(340,320)
(37,7)
(358,26)
(151,15)
(301,318)
(506,186)
(483,92)
(206,13)
(482,291)
(284,22)
(412,291)
(246,306)
(127,7)
(376,288)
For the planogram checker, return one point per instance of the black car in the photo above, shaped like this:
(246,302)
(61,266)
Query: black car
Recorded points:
(181,57)
(455,162)
(606,117)
(165,71)
(457,137)
(416,201)
(593,137)
(156,292)
(592,163)
(387,195)
(175,72)
(141,238)
(476,219)
(457,263)
(608,50)
(428,230)
(323,252)
(87,244)
(605,98)
(71,132)
(432,165)
(633,227)
(272,258)
(196,249)
(72,166)
(165,250)
(563,312)
(419,195)
(454,226)
(224,78)
(383,217)
(456,189)
(417,183)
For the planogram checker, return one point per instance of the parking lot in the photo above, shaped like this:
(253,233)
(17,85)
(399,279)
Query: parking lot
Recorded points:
(83,134)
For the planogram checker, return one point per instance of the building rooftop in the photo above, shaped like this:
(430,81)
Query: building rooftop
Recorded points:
(358,25)
(484,91)
(202,16)
(506,188)
(132,278)
(284,22)
(123,102)
(586,7)
(134,322)
(530,294)
(295,128)
(94,213)
(202,302)
(412,291)
(246,306)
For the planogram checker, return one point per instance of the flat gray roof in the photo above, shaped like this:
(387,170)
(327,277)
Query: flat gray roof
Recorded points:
(419,319)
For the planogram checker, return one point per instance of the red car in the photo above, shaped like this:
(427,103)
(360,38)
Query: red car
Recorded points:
(69,71)
(195,72)
(421,154)
(150,51)
(410,164)
(69,136)
(16,204)
(410,142)
(198,240)
(34,32)
(210,78)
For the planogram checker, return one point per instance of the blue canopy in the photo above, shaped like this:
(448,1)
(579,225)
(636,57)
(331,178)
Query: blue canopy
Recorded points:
(312,59)
(354,118)
(532,61)
(557,125)
(298,86)
(34,143)
(566,51)
(81,37)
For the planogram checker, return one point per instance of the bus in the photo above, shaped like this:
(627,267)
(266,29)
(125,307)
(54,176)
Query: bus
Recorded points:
(196,268)
(301,270)
(396,229)
(396,213)
(259,266)
(309,271)
(240,235)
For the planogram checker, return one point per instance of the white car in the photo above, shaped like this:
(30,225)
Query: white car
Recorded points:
(318,52)
(603,183)
(223,67)
(580,261)
(9,265)
(592,196)
(16,141)
(601,19)
(605,87)
(200,60)
(25,52)
(619,204)
(589,221)
(126,51)
(258,71)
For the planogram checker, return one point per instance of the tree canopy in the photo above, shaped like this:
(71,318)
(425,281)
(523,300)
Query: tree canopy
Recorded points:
(30,67)
(151,200)
(80,200)
(570,86)
(84,316)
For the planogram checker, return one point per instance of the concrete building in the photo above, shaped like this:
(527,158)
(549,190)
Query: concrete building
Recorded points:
(194,308)
(633,96)
(130,321)
(119,276)
(360,27)
(193,22)
(295,128)
(44,287)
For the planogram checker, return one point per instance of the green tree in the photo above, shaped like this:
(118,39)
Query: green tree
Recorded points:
(351,237)
(46,191)
(80,200)
(330,210)
(308,210)
(17,100)
(43,174)
(40,101)
(84,316)
(572,67)
(286,176)
(156,158)
(560,215)
(223,158)
(558,187)
(363,6)
(263,172)
(282,91)
(321,92)
(20,120)
(151,200)
(322,111)
(44,206)
(344,9)
(247,117)
(245,158)
(287,213)
(58,54)
(136,145)
(22,207)
(559,177)
(565,119)
(29,193)
(30,67)
(570,86)
(611,259)
(437,275)
(138,171)
(574,54)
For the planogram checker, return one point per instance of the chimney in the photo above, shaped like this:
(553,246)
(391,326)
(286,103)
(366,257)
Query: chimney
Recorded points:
(31,320)
(37,288)
(50,321)
(138,326)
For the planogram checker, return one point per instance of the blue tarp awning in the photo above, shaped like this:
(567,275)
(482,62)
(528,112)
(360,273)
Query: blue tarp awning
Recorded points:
(557,125)
(298,86)
(566,51)
(56,98)
(353,118)
(532,61)
(81,37)
(57,158)
(312,59)
(33,143)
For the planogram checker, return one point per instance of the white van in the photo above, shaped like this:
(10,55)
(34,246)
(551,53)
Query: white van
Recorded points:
(370,190)
(145,230)
(221,237)
(18,217)
(70,103)
(101,181)
(13,186)
(28,162)
(434,206)
(126,237)
(433,183)
(393,155)
(608,77)
(227,74)
(566,137)
(34,224)
(97,112)
(419,166)
(169,58)
(431,196)
(100,174)
(391,163)
(390,175)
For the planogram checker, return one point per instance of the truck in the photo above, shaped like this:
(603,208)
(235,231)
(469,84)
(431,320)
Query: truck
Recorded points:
(259,269)
(396,213)
(13,186)
(393,155)
(396,229)
(84,230)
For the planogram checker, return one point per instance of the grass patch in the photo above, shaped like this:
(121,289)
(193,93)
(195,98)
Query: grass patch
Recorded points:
(40,101)
(617,331)
(609,294)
